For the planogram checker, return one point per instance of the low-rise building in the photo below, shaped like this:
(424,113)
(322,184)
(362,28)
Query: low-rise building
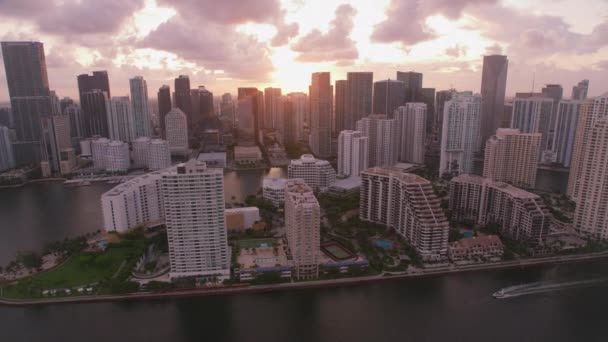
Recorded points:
(247,154)
(241,219)
(345,187)
(213,159)
(317,173)
(484,247)
(273,189)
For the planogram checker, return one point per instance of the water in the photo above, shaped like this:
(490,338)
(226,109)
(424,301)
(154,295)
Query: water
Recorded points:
(455,308)
(36,214)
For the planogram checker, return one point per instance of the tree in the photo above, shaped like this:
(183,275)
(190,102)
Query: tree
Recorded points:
(31,260)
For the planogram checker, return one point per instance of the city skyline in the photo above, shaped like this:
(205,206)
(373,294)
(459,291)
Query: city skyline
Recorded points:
(445,42)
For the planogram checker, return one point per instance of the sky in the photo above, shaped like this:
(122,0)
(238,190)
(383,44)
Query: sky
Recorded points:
(226,44)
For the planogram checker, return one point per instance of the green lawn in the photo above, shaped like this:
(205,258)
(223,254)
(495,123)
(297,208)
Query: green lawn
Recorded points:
(255,243)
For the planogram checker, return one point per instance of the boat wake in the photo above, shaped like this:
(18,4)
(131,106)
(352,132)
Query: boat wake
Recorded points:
(542,287)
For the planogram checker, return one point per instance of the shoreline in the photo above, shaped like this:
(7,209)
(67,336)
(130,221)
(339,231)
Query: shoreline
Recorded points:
(316,284)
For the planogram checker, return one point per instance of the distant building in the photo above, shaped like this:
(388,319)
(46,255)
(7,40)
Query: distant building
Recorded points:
(579,91)
(303,228)
(317,173)
(339,105)
(94,90)
(493,89)
(521,215)
(159,155)
(353,153)
(273,108)
(483,247)
(213,159)
(388,96)
(247,154)
(176,124)
(245,116)
(413,84)
(358,99)
(406,203)
(140,107)
(534,115)
(182,99)
(57,146)
(121,121)
(273,189)
(117,157)
(411,122)
(565,130)
(140,148)
(321,94)
(382,134)
(512,157)
(7,158)
(241,219)
(301,113)
(164,106)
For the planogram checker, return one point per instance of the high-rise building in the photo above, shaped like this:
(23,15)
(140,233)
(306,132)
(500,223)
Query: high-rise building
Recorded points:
(579,91)
(512,157)
(565,130)
(56,143)
(388,96)
(140,147)
(121,121)
(303,228)
(413,84)
(182,98)
(76,125)
(28,88)
(140,107)
(317,173)
(164,106)
(159,155)
(353,153)
(206,107)
(272,109)
(245,116)
(427,96)
(193,203)
(98,146)
(521,215)
(99,80)
(339,105)
(257,108)
(493,88)
(411,132)
(117,157)
(383,141)
(6,117)
(460,134)
(301,113)
(592,111)
(7,158)
(358,99)
(288,121)
(94,110)
(534,115)
(441,98)
(320,113)
(176,124)
(227,109)
(408,204)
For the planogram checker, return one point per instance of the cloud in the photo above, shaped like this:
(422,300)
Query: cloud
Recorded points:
(495,49)
(406,19)
(456,51)
(335,45)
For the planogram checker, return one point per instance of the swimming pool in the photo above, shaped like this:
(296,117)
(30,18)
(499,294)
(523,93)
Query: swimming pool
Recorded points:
(384,244)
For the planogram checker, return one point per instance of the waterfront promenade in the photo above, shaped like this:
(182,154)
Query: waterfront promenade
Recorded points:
(185,293)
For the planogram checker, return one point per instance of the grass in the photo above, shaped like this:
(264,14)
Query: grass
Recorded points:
(255,243)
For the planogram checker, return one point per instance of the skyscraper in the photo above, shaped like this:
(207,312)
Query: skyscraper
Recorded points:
(411,132)
(245,116)
(534,115)
(383,142)
(193,203)
(301,113)
(205,104)
(99,80)
(121,121)
(493,88)
(388,96)
(441,98)
(320,113)
(182,98)
(28,88)
(6,117)
(579,91)
(7,158)
(94,109)
(460,133)
(353,153)
(257,105)
(413,84)
(164,105)
(140,107)
(176,124)
(565,130)
(512,157)
(339,105)
(56,143)
(272,108)
(288,121)
(303,228)
(358,99)
(427,96)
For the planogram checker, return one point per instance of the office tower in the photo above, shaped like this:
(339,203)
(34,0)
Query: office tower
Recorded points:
(164,106)
(579,91)
(460,133)
(493,87)
(512,157)
(28,88)
(176,124)
(553,91)
(441,98)
(521,215)
(56,140)
(182,98)
(94,110)
(320,113)
(301,113)
(383,141)
(507,115)
(272,109)
(7,158)
(65,102)
(117,157)
(388,96)
(413,84)
(159,155)
(288,121)
(303,228)
(6,117)
(358,99)
(227,107)
(408,204)
(534,115)
(193,203)
(353,153)
(245,116)
(76,125)
(592,111)
(411,121)
(427,96)
(99,80)
(565,130)
(317,173)
(257,108)
(195,107)
(141,110)
(339,105)
(205,104)
(121,121)
(98,146)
